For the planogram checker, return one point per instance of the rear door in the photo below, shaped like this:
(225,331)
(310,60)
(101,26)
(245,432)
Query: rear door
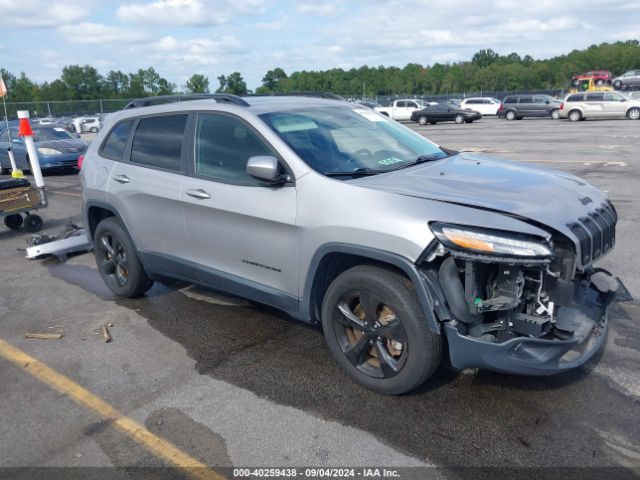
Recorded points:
(241,230)
(594,105)
(525,106)
(145,188)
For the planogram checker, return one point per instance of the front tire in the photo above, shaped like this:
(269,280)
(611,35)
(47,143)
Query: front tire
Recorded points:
(555,113)
(33,223)
(459,119)
(377,332)
(633,113)
(117,260)
(422,120)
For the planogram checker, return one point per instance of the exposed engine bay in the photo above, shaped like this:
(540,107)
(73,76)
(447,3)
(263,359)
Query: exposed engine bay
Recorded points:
(498,302)
(513,315)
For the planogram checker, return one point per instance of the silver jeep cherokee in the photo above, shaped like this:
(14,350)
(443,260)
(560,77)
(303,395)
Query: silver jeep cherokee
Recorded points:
(342,217)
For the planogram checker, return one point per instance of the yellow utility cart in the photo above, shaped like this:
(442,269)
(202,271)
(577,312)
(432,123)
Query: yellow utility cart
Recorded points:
(18,197)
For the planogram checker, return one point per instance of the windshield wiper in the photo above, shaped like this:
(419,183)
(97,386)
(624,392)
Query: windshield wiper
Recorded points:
(423,159)
(356,172)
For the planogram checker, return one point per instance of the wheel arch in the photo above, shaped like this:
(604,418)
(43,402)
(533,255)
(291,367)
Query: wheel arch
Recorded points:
(332,259)
(626,114)
(95,212)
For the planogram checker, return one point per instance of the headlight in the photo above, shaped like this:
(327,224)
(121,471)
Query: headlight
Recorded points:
(490,242)
(48,151)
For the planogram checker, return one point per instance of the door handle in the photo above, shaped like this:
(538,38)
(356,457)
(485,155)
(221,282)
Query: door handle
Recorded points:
(198,193)
(121,178)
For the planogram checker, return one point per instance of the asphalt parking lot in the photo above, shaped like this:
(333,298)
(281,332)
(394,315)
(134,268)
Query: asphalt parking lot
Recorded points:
(229,384)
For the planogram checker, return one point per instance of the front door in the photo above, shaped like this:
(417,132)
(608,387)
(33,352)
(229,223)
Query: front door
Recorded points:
(241,230)
(615,105)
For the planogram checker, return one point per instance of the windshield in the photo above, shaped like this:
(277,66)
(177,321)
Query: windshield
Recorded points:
(44,134)
(345,139)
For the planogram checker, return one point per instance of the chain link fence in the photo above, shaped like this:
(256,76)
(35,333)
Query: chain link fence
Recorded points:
(67,108)
(75,108)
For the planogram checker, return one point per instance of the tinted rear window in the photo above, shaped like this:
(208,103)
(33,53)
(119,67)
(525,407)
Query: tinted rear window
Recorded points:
(114,145)
(576,97)
(510,100)
(158,142)
(526,99)
(595,97)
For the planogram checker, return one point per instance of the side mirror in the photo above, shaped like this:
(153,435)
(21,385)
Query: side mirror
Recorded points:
(265,168)
(547,102)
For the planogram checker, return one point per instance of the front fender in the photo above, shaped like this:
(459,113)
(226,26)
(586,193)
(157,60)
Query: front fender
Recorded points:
(425,298)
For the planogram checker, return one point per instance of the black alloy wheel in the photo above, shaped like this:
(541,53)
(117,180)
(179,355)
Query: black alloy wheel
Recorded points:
(377,331)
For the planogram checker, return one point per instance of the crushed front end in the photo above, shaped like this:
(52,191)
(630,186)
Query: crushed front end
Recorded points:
(517,304)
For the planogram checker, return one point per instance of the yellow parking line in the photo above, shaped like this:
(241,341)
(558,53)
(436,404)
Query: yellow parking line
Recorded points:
(158,446)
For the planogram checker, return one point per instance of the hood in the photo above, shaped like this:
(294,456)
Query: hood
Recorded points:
(66,145)
(544,196)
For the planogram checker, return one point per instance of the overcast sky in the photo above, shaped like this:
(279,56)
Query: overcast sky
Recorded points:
(213,37)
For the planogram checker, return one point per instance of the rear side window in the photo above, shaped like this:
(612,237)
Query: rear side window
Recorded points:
(526,99)
(576,97)
(511,100)
(157,142)
(113,147)
(474,102)
(595,97)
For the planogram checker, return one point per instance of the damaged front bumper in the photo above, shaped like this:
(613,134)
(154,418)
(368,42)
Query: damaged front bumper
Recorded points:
(525,356)
(521,319)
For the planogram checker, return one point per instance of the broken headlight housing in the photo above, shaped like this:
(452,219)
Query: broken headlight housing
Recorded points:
(490,242)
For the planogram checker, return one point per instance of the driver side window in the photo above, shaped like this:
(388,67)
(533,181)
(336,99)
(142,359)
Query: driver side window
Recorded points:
(223,145)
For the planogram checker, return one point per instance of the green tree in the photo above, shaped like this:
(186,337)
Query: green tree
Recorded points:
(273,78)
(83,83)
(234,83)
(197,83)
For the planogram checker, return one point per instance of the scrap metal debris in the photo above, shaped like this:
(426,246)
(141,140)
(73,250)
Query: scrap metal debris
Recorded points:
(105,334)
(44,336)
(70,240)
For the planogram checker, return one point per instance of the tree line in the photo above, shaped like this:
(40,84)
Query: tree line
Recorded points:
(487,70)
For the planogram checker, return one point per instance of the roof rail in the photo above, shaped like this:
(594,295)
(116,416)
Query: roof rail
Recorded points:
(218,97)
(330,96)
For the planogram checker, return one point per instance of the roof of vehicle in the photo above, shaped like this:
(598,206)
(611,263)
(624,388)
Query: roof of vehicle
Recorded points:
(254,104)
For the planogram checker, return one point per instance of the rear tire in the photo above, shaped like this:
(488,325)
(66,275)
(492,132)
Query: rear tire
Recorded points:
(14,221)
(617,85)
(117,260)
(422,120)
(359,315)
(633,113)
(510,115)
(575,115)
(93,130)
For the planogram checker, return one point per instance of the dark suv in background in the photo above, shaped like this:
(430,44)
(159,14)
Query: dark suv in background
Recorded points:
(516,107)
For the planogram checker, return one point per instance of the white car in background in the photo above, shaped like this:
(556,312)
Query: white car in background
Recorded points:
(484,105)
(403,108)
(87,124)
